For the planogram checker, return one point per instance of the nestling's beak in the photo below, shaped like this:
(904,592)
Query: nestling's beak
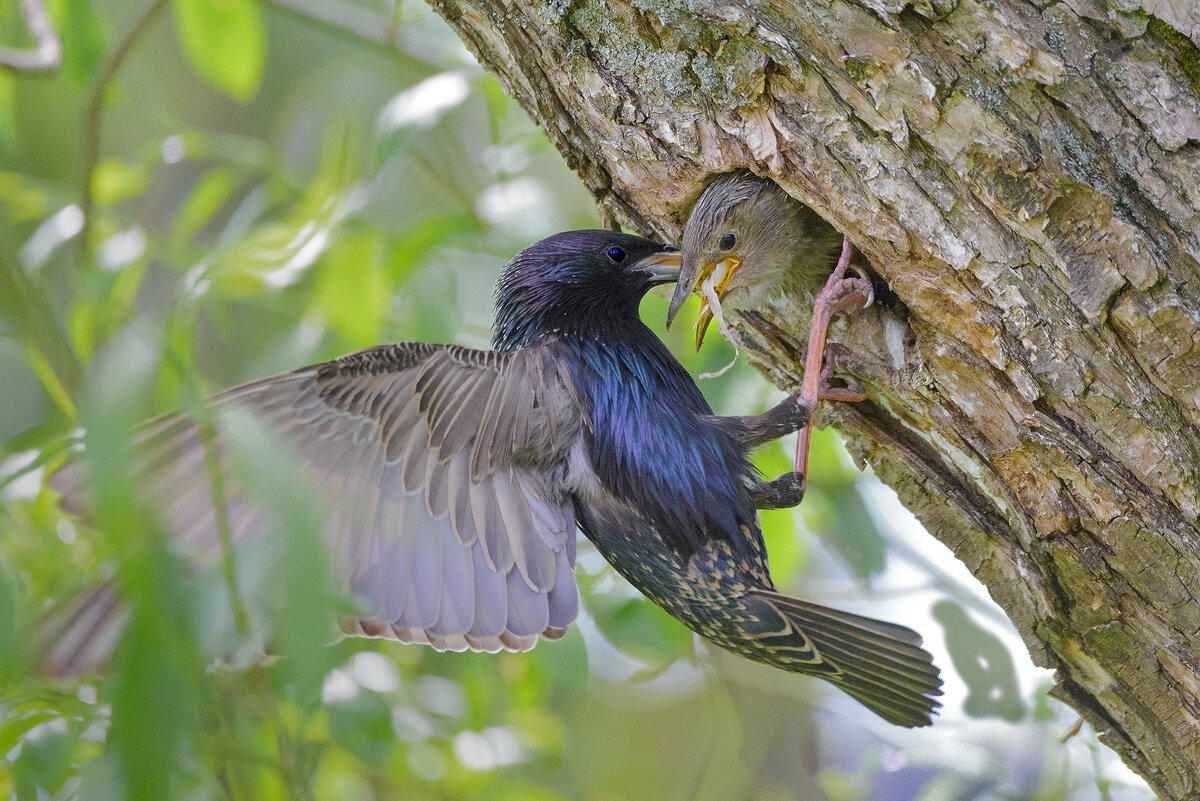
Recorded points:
(717,275)
(661,267)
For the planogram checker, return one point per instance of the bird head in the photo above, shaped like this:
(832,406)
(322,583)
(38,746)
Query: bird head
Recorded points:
(576,281)
(743,237)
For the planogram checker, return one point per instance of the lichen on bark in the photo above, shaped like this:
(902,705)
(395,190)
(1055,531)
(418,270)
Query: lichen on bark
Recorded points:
(1026,175)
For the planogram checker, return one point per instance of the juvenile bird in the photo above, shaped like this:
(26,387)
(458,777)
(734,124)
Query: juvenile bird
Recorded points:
(455,479)
(747,242)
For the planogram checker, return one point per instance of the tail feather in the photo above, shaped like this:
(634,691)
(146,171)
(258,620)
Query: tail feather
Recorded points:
(916,671)
(880,664)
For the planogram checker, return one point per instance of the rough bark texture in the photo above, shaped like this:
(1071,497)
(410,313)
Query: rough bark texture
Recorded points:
(1027,177)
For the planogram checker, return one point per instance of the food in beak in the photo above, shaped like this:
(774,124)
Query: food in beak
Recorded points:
(712,286)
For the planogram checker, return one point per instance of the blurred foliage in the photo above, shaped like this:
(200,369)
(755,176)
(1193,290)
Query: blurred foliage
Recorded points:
(209,191)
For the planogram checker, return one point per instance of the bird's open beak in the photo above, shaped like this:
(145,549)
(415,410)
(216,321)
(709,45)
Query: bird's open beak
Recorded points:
(715,275)
(661,267)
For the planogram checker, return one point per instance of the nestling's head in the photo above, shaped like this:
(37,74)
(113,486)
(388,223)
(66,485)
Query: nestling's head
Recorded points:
(751,240)
(575,281)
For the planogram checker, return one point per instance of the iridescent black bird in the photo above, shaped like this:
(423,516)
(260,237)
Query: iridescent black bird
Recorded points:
(455,479)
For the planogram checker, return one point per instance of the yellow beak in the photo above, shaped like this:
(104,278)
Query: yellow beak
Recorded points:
(719,273)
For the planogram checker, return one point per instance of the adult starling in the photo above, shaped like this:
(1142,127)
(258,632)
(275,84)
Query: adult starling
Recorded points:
(748,242)
(455,479)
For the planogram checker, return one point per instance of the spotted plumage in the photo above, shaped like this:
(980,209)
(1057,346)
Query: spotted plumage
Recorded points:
(453,481)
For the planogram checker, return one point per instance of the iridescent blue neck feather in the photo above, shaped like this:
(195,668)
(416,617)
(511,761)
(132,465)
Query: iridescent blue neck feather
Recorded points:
(652,445)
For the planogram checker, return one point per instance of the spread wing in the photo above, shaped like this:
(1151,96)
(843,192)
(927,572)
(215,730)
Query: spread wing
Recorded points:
(441,468)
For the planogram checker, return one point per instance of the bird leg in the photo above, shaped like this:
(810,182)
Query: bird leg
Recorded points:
(789,415)
(838,293)
(751,431)
(788,489)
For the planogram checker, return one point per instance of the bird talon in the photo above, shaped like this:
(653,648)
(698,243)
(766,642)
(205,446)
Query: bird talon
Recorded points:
(871,292)
(851,393)
(844,293)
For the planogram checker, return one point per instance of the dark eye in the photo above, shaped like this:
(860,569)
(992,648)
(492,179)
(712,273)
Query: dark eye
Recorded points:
(728,241)
(616,254)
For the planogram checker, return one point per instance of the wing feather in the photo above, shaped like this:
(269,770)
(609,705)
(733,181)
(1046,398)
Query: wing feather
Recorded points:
(528,610)
(441,470)
(457,588)
(533,558)
(491,601)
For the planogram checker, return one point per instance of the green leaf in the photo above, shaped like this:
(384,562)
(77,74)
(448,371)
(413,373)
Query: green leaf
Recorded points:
(362,725)
(304,598)
(45,758)
(156,671)
(210,193)
(224,42)
(8,110)
(837,512)
(157,677)
(353,292)
(983,662)
(784,539)
(115,181)
(83,41)
(642,630)
(9,647)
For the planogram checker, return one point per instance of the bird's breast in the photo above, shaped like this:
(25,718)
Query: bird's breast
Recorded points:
(651,443)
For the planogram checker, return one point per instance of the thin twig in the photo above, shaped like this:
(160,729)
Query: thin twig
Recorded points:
(47,54)
(91,119)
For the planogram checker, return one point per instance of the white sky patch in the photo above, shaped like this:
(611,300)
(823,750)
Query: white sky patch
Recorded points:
(501,159)
(491,748)
(64,224)
(510,200)
(424,104)
(122,249)
(25,483)
(173,149)
(339,686)
(375,672)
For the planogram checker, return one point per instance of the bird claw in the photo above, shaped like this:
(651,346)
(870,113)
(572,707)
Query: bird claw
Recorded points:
(842,293)
(851,393)
(845,394)
(870,292)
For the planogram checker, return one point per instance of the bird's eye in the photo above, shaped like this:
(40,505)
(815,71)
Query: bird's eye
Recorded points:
(728,241)
(616,254)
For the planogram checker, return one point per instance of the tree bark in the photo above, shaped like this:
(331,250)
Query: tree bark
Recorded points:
(1027,177)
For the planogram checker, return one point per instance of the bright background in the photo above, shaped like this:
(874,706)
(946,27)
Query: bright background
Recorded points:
(207,193)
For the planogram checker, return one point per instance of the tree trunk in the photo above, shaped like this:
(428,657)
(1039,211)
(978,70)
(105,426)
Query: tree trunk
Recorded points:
(1028,180)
